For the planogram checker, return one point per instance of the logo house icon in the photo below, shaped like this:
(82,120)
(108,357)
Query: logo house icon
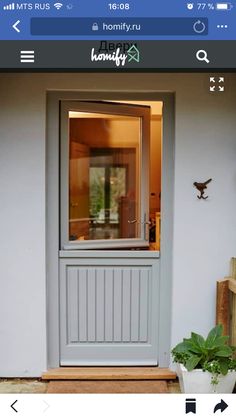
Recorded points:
(58,6)
(10,6)
(133,54)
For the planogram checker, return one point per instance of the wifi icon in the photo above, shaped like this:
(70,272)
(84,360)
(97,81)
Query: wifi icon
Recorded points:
(58,5)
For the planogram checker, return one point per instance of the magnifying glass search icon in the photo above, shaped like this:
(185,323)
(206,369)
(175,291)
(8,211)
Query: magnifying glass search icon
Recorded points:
(201,55)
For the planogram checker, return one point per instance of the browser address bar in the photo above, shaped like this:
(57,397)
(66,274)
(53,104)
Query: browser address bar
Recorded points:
(119,26)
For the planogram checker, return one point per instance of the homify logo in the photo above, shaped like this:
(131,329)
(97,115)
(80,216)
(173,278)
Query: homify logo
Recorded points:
(117,53)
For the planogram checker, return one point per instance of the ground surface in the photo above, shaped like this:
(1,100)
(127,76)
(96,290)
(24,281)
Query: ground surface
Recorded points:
(34,386)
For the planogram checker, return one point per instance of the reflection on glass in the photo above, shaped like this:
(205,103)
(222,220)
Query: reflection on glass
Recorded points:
(104,190)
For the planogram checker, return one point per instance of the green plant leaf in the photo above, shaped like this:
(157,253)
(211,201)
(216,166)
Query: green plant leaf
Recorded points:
(192,362)
(213,334)
(186,346)
(198,340)
(181,347)
(224,351)
(219,341)
(224,366)
(193,346)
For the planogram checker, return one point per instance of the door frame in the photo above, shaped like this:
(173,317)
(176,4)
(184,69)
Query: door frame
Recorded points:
(53,211)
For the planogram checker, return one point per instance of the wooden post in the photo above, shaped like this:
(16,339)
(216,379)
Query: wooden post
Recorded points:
(226,303)
(233,268)
(222,305)
(233,320)
(232,288)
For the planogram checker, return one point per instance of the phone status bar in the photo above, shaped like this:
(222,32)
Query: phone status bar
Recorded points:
(213,21)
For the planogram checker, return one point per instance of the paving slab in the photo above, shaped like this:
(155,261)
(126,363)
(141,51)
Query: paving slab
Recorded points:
(9,386)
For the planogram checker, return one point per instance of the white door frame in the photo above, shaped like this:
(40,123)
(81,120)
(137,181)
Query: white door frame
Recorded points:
(53,219)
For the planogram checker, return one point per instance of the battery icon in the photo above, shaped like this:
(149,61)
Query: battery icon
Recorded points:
(224,6)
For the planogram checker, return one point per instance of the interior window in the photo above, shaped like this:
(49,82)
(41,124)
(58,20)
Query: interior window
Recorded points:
(107,187)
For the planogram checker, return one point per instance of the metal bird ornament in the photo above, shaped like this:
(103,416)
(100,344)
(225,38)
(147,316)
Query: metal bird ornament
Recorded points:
(201,188)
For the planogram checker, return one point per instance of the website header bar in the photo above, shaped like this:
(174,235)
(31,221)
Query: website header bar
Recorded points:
(116,55)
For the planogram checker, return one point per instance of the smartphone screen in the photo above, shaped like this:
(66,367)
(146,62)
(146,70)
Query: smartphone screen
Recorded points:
(117,208)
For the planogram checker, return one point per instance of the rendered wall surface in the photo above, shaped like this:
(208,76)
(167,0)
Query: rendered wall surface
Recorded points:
(204,231)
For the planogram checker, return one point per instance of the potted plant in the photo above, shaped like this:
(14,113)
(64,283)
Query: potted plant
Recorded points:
(206,365)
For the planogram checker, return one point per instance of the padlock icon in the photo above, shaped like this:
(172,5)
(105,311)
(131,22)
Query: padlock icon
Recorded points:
(95,27)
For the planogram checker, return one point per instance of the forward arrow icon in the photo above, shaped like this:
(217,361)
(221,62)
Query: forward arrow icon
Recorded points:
(220,406)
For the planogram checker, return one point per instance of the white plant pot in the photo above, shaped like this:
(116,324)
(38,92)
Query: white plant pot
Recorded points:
(198,381)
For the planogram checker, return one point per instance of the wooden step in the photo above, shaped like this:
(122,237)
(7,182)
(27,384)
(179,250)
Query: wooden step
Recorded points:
(107,386)
(109,373)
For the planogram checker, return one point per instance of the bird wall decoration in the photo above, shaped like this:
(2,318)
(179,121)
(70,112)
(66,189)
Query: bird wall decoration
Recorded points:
(201,188)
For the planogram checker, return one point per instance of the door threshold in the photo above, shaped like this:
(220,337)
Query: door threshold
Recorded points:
(109,373)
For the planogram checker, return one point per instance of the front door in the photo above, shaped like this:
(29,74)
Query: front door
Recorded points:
(108,282)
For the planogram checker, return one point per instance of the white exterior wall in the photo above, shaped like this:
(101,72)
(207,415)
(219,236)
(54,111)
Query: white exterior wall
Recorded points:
(204,231)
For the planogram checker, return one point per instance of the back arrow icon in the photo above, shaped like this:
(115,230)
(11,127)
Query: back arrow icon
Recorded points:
(12,406)
(221,406)
(15,26)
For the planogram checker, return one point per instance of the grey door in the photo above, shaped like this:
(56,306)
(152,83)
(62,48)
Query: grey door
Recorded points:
(108,298)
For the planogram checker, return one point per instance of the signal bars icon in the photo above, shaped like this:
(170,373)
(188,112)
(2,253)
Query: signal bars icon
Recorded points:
(10,6)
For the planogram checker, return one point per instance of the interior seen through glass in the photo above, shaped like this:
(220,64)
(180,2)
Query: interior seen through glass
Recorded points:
(104,177)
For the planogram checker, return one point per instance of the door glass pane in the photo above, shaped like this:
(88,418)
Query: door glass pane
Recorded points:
(104,189)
